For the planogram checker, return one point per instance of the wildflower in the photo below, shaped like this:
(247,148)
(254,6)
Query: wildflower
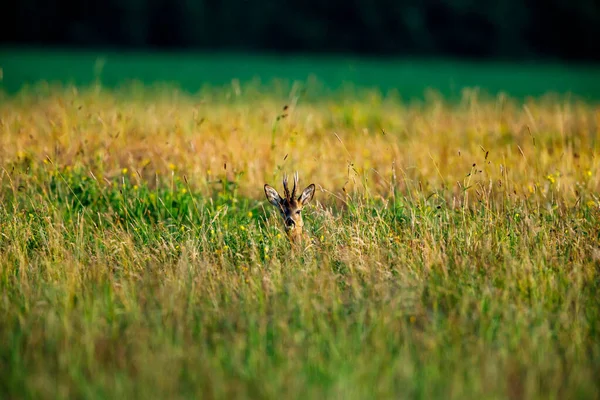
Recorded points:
(551,178)
(279,236)
(591,203)
(172,166)
(183,191)
(135,187)
(124,171)
(249,214)
(589,173)
(242,227)
(266,249)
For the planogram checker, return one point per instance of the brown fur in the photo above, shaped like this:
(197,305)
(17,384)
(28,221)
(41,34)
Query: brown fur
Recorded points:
(290,207)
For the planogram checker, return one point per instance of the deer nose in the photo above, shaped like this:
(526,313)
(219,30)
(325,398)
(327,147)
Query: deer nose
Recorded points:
(290,222)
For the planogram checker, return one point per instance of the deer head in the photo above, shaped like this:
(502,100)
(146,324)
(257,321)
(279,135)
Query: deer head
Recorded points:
(290,207)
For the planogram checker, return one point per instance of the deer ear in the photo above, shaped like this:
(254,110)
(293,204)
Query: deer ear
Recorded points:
(272,195)
(307,194)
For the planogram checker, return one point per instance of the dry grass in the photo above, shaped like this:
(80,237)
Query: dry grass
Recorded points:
(457,246)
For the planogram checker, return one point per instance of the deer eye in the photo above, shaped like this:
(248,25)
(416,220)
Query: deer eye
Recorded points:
(298,212)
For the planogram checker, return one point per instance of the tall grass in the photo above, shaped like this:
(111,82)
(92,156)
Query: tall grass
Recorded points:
(456,246)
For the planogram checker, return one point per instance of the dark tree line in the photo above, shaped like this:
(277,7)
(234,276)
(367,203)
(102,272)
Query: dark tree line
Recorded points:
(515,29)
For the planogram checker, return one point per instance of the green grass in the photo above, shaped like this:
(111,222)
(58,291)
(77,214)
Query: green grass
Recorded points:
(456,255)
(411,78)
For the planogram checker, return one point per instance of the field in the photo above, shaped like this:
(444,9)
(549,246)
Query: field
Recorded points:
(456,248)
(195,72)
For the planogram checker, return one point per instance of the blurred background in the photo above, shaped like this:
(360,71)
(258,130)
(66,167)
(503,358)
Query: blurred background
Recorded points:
(417,35)
(555,29)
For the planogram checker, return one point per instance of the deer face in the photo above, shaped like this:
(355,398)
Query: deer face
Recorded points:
(289,206)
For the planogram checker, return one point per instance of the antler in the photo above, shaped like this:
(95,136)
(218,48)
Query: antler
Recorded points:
(286,190)
(285,187)
(295,183)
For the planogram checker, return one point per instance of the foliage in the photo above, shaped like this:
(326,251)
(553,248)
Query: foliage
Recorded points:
(510,28)
(456,247)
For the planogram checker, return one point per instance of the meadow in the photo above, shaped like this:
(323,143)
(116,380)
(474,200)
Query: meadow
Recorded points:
(456,248)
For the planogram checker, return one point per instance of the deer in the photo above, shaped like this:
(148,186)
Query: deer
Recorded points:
(291,207)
